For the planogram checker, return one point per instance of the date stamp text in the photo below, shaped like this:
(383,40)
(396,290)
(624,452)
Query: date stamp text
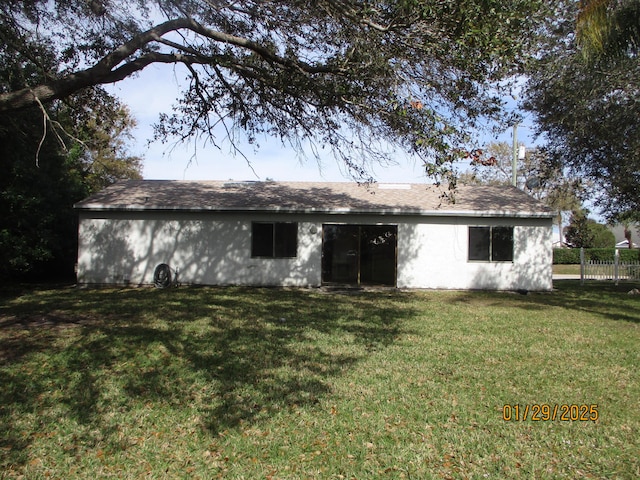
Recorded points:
(550,413)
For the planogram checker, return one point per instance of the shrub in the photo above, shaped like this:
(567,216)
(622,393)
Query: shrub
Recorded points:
(571,256)
(600,254)
(566,256)
(629,255)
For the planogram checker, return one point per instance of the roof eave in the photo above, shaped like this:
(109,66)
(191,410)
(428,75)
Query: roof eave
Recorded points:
(324,211)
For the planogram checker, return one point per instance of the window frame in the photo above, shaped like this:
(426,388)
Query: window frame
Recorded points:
(282,244)
(497,248)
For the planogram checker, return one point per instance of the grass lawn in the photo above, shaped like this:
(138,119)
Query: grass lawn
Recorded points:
(278,383)
(566,269)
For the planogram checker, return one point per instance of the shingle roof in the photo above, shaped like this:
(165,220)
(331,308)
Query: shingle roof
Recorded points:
(323,197)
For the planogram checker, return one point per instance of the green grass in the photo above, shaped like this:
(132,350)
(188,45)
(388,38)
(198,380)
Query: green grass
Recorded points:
(566,269)
(277,383)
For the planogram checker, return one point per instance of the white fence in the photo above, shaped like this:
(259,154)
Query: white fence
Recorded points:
(613,270)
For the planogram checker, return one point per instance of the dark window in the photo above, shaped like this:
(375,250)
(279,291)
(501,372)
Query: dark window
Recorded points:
(274,239)
(502,244)
(491,244)
(262,240)
(479,243)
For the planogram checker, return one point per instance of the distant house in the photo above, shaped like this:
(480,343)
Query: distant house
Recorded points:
(315,234)
(625,244)
(621,240)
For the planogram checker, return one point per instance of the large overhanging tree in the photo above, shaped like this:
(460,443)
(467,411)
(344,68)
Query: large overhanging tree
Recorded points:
(48,166)
(585,94)
(343,74)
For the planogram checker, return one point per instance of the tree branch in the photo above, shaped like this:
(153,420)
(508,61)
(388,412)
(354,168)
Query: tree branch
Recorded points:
(106,70)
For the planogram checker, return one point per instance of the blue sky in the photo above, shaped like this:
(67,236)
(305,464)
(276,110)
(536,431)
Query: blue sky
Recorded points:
(156,88)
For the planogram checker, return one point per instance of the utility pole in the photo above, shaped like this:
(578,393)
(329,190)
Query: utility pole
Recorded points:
(514,163)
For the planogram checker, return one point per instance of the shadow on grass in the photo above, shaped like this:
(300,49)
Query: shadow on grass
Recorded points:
(604,299)
(234,355)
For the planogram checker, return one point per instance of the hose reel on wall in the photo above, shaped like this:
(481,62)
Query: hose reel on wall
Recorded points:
(162,276)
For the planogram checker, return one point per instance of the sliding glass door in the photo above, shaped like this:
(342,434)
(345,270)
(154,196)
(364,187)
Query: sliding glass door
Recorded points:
(359,254)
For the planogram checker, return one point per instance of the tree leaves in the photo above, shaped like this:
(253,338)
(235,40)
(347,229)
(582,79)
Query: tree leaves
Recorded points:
(608,28)
(325,72)
(589,115)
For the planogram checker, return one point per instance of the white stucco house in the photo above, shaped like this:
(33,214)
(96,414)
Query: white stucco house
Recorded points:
(314,234)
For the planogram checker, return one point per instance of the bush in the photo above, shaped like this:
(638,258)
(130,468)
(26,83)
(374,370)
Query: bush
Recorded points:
(600,254)
(566,256)
(608,254)
(571,256)
(629,255)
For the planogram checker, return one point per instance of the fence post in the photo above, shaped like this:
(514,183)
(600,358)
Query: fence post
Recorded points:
(616,267)
(581,266)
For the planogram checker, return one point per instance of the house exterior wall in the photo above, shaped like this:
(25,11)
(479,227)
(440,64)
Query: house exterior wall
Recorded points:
(435,255)
(215,249)
(207,249)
